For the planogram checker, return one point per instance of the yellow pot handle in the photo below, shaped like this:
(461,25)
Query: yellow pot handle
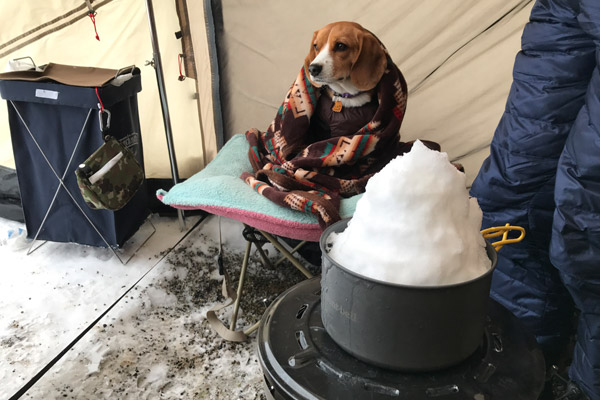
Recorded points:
(503,231)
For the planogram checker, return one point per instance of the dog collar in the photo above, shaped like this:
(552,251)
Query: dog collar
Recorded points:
(337,104)
(346,95)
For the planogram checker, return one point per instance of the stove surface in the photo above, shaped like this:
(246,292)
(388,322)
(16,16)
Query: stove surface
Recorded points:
(300,360)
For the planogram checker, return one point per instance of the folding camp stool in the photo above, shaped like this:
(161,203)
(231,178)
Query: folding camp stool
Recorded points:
(257,238)
(218,190)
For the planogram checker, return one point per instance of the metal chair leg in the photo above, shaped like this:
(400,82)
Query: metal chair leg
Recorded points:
(251,329)
(294,250)
(240,288)
(263,255)
(287,254)
(252,237)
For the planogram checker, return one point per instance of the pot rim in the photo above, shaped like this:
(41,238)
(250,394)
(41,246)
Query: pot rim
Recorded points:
(491,252)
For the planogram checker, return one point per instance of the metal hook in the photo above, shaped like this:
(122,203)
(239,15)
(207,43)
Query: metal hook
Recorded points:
(104,126)
(90,8)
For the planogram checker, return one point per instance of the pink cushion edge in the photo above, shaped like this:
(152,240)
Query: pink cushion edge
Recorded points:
(275,226)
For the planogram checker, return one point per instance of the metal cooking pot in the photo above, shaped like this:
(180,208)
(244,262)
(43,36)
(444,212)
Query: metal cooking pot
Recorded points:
(402,327)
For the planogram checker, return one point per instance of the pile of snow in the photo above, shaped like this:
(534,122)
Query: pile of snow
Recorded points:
(415,225)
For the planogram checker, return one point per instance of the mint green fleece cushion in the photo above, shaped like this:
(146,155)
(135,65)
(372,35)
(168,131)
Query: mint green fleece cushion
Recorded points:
(219,184)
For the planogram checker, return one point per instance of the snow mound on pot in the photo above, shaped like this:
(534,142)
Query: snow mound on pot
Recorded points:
(415,225)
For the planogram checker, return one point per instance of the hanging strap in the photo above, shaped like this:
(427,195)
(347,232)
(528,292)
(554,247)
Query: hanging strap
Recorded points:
(92,15)
(93,18)
(104,124)
(230,297)
(180,57)
(214,321)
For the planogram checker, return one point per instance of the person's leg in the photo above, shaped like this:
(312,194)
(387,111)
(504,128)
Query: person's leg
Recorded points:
(575,246)
(516,182)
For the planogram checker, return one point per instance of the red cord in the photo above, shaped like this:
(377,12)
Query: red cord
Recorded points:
(100,100)
(180,61)
(93,18)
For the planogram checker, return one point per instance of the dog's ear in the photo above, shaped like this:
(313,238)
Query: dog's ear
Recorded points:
(370,64)
(312,53)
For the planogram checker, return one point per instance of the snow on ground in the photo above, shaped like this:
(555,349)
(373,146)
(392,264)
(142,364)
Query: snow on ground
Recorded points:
(155,343)
(52,294)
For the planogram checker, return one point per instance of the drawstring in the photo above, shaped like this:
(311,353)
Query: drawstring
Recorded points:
(100,104)
(92,16)
(104,125)
(180,62)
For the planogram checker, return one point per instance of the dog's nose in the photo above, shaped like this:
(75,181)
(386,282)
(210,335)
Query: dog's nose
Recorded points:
(315,69)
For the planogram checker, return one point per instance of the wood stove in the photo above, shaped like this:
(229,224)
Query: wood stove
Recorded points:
(300,360)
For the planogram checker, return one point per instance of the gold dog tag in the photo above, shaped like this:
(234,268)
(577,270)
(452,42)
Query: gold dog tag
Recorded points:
(337,106)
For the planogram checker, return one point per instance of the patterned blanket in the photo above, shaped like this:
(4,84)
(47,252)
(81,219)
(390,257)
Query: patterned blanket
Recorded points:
(295,172)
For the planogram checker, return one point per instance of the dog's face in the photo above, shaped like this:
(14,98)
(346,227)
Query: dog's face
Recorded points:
(345,52)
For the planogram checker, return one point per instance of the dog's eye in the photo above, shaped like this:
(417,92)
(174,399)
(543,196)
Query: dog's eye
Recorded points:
(316,47)
(339,46)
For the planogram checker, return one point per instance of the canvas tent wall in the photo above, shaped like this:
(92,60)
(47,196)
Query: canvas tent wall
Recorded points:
(456,55)
(60,31)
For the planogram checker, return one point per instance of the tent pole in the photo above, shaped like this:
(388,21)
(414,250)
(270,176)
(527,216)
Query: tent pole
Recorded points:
(163,102)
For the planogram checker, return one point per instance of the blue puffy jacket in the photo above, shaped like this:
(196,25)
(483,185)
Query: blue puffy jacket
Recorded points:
(543,173)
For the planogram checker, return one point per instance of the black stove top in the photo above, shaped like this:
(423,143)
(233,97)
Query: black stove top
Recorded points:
(301,361)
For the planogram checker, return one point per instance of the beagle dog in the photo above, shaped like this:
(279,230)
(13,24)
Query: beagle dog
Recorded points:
(348,60)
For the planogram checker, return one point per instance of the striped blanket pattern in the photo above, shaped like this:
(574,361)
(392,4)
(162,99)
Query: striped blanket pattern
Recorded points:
(311,177)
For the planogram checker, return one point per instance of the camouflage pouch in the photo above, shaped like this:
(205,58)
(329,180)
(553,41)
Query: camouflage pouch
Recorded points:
(110,177)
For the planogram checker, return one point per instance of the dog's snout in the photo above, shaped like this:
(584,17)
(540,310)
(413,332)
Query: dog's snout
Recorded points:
(315,69)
